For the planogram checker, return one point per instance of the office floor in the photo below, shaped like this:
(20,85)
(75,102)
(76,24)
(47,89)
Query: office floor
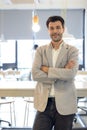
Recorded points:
(21,121)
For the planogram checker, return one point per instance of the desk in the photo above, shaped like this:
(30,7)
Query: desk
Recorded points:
(17,88)
(81,87)
(26,88)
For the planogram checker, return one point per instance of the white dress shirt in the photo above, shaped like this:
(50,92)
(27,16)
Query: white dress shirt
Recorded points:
(55,54)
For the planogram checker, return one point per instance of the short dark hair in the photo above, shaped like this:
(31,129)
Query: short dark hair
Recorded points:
(54,19)
(35,46)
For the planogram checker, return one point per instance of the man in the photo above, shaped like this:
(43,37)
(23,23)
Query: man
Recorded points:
(54,68)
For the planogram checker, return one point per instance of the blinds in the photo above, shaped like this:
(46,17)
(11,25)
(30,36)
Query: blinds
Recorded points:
(17,24)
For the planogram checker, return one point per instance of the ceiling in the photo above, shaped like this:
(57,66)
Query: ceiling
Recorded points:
(45,4)
(20,1)
(23,3)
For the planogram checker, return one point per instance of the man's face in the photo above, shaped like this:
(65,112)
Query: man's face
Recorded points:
(55,30)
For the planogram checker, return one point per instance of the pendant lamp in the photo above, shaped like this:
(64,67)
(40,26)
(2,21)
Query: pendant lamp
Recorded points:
(35,22)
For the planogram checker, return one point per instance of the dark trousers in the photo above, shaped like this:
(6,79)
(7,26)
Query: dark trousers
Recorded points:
(51,118)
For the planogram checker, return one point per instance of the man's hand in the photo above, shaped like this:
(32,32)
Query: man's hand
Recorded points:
(70,64)
(44,68)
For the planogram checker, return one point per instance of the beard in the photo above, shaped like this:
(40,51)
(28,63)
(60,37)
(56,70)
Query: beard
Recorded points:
(56,37)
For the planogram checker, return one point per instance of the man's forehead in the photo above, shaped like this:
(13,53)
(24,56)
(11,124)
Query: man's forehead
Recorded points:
(56,23)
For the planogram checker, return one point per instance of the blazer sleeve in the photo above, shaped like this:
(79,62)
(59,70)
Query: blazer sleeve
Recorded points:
(61,73)
(37,74)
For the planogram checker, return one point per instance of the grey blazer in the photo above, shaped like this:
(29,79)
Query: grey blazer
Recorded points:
(63,79)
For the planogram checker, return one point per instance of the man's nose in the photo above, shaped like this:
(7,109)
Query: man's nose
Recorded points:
(55,30)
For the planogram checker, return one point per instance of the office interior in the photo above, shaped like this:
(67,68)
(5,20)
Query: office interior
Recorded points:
(18,40)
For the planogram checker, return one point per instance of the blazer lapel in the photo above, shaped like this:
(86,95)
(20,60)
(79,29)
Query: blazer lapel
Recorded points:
(49,55)
(62,53)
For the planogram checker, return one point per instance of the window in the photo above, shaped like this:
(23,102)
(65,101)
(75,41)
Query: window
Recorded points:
(22,54)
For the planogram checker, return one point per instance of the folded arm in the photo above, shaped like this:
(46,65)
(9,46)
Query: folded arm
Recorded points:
(48,74)
(37,73)
(68,67)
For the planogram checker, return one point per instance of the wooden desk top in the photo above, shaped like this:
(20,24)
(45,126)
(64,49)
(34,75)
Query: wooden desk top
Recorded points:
(26,88)
(17,88)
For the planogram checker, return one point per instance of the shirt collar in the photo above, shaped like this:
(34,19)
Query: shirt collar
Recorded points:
(59,46)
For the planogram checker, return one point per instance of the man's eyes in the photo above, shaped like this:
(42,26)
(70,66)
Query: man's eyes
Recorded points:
(58,27)
(55,28)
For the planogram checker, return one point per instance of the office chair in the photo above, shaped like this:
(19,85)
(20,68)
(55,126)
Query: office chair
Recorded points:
(11,105)
(7,101)
(81,76)
(28,101)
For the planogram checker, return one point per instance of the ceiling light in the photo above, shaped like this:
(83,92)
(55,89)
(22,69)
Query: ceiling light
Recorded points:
(35,22)
(35,19)
(36,27)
